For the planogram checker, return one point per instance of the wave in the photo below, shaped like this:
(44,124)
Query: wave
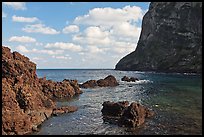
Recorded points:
(138,82)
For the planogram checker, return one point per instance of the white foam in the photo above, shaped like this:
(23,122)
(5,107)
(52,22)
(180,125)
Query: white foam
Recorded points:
(137,82)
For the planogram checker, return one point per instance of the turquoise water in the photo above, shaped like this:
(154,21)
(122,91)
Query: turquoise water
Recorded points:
(175,98)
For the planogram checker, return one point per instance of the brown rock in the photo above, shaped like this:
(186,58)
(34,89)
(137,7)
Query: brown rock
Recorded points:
(134,115)
(122,114)
(26,99)
(114,109)
(89,84)
(109,81)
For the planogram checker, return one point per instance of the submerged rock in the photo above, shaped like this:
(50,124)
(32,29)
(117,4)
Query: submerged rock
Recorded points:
(122,114)
(109,81)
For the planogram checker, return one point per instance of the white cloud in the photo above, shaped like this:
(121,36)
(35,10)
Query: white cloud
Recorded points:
(22,49)
(65,46)
(126,29)
(49,52)
(110,16)
(71,29)
(4,15)
(22,39)
(40,28)
(62,57)
(24,19)
(93,36)
(16,5)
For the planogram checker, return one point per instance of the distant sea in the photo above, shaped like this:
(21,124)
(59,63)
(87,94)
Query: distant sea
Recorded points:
(175,98)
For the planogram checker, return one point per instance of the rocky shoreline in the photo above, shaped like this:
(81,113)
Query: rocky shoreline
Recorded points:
(27,101)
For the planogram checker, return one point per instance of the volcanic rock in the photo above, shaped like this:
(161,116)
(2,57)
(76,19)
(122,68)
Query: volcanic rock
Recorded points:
(109,81)
(26,99)
(170,40)
(122,114)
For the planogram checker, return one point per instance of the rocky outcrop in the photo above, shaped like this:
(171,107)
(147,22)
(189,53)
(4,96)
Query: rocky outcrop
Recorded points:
(123,115)
(131,79)
(60,90)
(24,104)
(109,81)
(170,40)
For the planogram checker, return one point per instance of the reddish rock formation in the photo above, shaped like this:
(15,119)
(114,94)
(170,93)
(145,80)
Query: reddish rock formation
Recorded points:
(125,78)
(89,84)
(109,81)
(24,105)
(122,114)
(135,115)
(60,90)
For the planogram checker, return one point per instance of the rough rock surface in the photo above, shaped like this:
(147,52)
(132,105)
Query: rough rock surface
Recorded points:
(24,105)
(60,90)
(109,81)
(131,79)
(170,40)
(135,115)
(122,114)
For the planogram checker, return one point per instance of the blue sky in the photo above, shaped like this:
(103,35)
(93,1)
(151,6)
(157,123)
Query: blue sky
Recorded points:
(72,34)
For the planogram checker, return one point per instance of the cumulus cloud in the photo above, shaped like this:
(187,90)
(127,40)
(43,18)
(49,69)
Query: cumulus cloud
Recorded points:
(93,36)
(49,52)
(22,49)
(110,16)
(70,29)
(64,46)
(16,5)
(40,28)
(24,19)
(22,39)
(4,15)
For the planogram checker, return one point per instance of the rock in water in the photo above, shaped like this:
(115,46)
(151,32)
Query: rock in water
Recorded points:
(26,99)
(122,114)
(170,40)
(109,81)
(24,105)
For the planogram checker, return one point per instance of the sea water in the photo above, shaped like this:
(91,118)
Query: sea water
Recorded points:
(175,98)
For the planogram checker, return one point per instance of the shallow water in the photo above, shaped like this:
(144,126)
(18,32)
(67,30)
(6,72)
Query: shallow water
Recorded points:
(175,98)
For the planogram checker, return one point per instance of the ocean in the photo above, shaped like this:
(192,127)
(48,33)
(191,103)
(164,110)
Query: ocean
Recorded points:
(175,98)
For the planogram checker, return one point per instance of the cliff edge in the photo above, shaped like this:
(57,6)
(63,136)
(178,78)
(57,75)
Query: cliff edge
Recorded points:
(170,40)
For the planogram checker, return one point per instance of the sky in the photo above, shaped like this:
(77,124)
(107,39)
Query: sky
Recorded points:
(72,35)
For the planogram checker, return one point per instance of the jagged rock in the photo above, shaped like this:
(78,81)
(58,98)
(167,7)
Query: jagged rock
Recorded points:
(62,110)
(24,104)
(131,79)
(135,115)
(122,114)
(170,40)
(60,90)
(109,81)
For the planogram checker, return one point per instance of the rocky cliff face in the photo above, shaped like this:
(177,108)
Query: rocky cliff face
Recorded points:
(170,40)
(25,103)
